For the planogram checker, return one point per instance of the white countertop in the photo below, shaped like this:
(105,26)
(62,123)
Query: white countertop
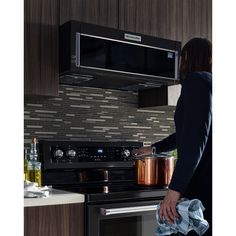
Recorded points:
(56,197)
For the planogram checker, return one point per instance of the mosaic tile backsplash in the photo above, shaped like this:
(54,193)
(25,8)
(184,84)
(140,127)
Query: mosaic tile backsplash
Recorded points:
(93,114)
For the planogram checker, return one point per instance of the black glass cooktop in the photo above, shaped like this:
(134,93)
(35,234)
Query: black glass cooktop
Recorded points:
(116,192)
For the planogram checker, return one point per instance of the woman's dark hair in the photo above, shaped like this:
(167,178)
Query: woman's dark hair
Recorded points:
(196,55)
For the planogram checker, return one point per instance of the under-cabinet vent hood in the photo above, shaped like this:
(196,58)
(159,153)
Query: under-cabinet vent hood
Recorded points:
(97,56)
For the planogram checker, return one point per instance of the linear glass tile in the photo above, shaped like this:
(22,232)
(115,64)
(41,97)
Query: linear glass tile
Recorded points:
(111,98)
(106,117)
(77,99)
(78,128)
(73,94)
(56,125)
(94,131)
(45,132)
(96,95)
(80,139)
(31,118)
(56,99)
(102,120)
(136,127)
(80,106)
(114,133)
(45,115)
(131,140)
(45,136)
(150,111)
(109,107)
(34,126)
(45,111)
(33,105)
(104,127)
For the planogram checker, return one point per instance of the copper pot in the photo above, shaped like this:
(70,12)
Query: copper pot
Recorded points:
(154,170)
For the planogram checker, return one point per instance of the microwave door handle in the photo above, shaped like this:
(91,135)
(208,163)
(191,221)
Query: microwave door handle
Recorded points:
(125,210)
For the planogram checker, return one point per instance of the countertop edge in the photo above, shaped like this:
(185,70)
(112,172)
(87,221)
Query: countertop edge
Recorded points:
(57,197)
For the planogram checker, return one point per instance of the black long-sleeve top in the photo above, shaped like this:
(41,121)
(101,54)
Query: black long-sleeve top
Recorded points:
(193,121)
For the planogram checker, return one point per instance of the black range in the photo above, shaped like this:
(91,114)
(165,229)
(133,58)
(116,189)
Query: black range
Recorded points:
(105,174)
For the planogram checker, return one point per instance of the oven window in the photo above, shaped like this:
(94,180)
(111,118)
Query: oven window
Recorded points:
(144,225)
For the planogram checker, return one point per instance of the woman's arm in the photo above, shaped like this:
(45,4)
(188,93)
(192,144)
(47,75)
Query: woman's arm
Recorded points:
(165,145)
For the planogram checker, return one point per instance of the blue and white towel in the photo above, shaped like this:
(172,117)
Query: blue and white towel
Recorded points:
(191,218)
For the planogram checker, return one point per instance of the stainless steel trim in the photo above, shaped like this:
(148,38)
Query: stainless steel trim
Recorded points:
(138,44)
(77,50)
(176,65)
(125,210)
(132,73)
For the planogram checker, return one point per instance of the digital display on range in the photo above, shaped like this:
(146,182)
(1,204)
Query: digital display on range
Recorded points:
(100,151)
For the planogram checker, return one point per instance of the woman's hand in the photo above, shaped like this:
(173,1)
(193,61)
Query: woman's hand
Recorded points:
(142,151)
(168,206)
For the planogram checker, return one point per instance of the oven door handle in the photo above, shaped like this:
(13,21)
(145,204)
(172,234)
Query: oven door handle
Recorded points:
(124,210)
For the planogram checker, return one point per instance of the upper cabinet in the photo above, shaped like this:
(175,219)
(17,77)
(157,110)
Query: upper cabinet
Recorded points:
(101,12)
(178,20)
(41,67)
(172,19)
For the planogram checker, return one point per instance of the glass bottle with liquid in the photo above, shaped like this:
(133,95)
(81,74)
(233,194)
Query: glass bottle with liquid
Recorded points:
(26,169)
(34,166)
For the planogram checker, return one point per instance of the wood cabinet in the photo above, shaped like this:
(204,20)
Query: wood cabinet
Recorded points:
(101,12)
(172,19)
(54,220)
(41,21)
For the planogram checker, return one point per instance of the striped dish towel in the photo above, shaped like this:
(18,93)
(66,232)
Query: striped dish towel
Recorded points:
(191,218)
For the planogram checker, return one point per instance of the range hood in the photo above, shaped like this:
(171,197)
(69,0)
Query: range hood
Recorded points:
(97,56)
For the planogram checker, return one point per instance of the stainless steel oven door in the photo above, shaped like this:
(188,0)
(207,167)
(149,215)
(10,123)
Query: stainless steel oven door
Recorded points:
(122,219)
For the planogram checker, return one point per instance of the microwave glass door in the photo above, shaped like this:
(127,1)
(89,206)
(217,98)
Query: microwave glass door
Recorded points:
(125,57)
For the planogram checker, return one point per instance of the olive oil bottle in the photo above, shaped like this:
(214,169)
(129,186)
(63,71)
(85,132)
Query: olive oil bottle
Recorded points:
(26,169)
(34,166)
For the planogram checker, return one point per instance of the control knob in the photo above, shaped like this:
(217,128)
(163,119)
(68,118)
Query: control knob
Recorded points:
(125,153)
(58,154)
(71,154)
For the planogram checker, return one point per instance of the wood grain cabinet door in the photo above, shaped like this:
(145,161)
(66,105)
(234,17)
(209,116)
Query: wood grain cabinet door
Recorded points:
(172,19)
(41,67)
(55,220)
(101,12)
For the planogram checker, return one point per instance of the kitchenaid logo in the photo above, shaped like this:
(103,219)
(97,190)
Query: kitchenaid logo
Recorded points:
(133,37)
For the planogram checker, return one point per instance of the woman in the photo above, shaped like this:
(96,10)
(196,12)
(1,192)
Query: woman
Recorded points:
(192,177)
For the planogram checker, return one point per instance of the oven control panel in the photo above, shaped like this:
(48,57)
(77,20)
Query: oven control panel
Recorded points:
(84,154)
(56,154)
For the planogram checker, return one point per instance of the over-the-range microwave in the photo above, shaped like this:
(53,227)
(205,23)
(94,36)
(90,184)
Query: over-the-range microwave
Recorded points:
(97,56)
